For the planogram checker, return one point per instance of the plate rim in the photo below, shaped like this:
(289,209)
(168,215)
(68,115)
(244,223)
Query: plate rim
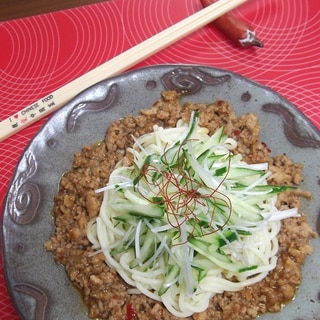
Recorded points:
(129,73)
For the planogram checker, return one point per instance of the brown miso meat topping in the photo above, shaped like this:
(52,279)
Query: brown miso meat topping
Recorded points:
(76,203)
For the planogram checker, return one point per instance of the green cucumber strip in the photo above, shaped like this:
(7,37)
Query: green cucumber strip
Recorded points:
(237,172)
(191,205)
(138,210)
(171,278)
(249,268)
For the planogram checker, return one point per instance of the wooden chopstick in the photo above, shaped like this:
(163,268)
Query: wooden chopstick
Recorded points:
(56,99)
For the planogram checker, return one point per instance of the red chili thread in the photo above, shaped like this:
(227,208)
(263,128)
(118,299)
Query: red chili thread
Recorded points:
(187,195)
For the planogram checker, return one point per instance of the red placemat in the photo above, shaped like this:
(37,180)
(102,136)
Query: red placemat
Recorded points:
(40,54)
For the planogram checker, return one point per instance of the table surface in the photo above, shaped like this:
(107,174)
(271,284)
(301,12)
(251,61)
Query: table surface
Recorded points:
(43,52)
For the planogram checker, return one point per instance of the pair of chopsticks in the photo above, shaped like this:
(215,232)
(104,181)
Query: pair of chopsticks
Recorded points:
(116,65)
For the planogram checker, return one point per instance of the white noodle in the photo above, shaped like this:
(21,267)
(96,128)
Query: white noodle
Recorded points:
(258,249)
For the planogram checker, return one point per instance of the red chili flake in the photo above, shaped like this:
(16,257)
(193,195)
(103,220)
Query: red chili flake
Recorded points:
(131,313)
(266,146)
(236,132)
(221,103)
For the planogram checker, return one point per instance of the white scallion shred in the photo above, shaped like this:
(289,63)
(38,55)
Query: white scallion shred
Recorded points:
(188,218)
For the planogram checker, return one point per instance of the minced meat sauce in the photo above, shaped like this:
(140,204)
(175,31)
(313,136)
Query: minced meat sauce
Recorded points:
(104,292)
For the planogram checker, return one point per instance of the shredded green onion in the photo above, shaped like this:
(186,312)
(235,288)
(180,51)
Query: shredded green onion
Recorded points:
(189,218)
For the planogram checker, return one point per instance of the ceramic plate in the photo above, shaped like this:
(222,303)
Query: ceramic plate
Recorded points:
(38,286)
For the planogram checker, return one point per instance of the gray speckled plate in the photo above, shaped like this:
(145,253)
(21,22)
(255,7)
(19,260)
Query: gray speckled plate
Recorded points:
(39,287)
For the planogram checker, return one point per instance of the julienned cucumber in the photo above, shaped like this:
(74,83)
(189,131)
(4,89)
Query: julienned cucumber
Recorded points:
(139,210)
(185,205)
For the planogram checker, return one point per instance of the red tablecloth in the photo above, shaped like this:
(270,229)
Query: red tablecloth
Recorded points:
(40,54)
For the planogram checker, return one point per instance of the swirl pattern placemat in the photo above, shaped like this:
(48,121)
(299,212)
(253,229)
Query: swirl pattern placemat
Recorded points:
(39,54)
